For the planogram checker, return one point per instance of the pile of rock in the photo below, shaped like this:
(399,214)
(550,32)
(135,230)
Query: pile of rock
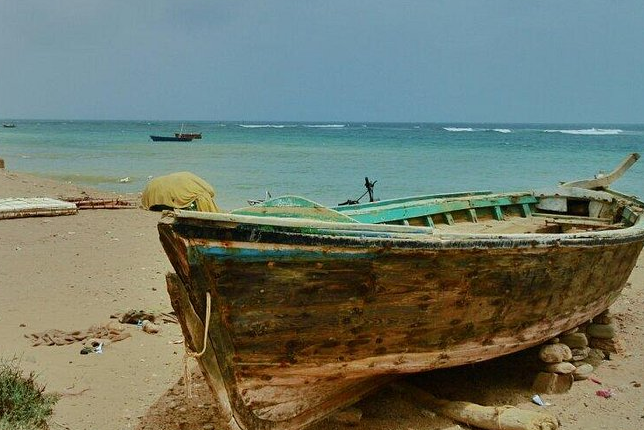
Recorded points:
(575,353)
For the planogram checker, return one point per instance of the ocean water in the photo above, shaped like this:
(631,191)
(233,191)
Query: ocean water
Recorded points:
(325,162)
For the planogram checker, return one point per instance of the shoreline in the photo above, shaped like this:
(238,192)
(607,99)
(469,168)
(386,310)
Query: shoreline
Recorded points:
(72,272)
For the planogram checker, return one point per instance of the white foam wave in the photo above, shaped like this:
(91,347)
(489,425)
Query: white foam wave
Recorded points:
(589,131)
(325,126)
(498,130)
(261,125)
(457,129)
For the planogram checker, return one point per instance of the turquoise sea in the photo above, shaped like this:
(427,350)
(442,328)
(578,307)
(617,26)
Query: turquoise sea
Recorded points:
(326,162)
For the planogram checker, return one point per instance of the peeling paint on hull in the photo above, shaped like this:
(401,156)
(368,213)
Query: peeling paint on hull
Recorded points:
(307,319)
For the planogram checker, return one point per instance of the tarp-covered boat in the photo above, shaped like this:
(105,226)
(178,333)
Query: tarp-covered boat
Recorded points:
(304,309)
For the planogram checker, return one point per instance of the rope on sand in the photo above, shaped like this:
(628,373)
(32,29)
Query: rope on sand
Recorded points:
(187,377)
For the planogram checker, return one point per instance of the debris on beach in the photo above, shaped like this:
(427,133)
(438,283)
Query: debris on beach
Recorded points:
(107,333)
(150,327)
(147,321)
(35,206)
(487,417)
(134,316)
(537,400)
(605,393)
(98,203)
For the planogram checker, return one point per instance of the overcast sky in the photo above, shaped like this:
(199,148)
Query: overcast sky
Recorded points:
(331,60)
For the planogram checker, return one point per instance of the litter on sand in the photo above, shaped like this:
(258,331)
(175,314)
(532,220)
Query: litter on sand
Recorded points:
(605,393)
(536,399)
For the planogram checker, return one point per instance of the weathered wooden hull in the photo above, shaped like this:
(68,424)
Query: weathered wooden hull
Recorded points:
(307,320)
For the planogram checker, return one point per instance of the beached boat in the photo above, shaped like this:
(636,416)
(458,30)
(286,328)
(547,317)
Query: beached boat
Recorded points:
(302,309)
(170,138)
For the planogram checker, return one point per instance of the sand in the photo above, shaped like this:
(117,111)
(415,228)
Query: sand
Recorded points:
(72,272)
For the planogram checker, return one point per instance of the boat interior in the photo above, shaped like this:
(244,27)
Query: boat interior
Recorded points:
(557,210)
(572,207)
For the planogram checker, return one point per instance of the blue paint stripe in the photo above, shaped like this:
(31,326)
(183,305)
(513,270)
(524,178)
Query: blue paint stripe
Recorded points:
(197,253)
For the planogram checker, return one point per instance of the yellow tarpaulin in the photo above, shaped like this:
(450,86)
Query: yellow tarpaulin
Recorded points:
(179,190)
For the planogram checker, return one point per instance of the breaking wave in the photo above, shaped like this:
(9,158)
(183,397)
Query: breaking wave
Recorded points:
(589,131)
(498,130)
(458,129)
(263,126)
(325,126)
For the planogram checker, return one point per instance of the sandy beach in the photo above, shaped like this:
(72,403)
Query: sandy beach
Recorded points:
(74,272)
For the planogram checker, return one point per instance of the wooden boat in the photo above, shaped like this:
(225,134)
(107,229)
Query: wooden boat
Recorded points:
(190,135)
(170,138)
(301,309)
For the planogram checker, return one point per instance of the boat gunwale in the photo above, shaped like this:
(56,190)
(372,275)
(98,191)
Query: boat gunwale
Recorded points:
(424,237)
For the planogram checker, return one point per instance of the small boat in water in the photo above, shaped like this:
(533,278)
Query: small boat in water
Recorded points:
(294,310)
(192,135)
(170,138)
(9,125)
(189,135)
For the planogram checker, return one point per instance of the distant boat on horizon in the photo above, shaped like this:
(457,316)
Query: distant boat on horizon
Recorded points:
(8,125)
(191,135)
(170,138)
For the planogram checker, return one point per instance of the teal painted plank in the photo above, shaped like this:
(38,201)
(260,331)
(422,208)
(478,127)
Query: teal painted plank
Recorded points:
(448,218)
(399,213)
(503,201)
(498,214)
(526,212)
(473,217)
(425,208)
(349,209)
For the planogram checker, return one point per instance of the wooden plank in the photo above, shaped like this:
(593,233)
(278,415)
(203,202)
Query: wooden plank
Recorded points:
(449,219)
(605,180)
(498,214)
(35,206)
(484,417)
(296,222)
(472,215)
(526,212)
(572,217)
(353,209)
(92,203)
(423,208)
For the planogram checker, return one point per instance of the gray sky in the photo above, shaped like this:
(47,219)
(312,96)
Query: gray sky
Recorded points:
(331,60)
